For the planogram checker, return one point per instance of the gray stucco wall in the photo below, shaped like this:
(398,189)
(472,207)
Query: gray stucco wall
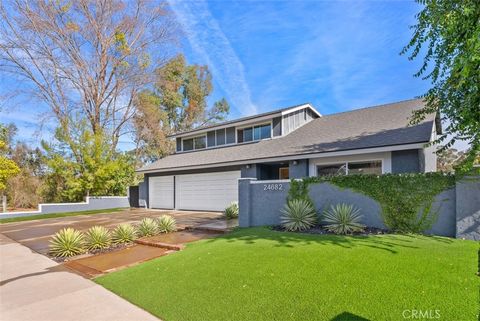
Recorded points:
(406,161)
(468,208)
(249,171)
(457,209)
(298,170)
(143,192)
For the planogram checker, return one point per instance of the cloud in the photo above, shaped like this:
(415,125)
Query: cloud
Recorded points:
(210,44)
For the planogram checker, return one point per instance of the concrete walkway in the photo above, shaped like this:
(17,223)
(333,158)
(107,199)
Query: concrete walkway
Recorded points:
(35,288)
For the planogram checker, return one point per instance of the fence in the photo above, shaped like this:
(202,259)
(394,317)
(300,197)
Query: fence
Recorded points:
(91,203)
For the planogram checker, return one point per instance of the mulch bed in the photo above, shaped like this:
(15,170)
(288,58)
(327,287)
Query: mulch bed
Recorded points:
(319,229)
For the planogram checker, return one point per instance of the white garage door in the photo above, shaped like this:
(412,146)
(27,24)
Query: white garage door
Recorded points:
(160,191)
(209,192)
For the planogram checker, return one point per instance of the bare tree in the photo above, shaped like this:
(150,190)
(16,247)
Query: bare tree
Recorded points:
(86,59)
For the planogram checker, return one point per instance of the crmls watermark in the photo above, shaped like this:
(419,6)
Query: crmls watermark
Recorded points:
(421,314)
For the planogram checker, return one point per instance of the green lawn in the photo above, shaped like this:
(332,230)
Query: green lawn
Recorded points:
(259,274)
(55,215)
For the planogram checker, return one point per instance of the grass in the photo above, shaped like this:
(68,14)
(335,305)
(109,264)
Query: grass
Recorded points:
(260,274)
(55,215)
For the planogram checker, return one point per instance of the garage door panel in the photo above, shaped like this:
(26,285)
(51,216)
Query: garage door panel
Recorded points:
(161,192)
(209,191)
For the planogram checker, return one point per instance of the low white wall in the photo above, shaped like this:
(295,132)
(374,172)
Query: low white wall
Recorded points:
(91,203)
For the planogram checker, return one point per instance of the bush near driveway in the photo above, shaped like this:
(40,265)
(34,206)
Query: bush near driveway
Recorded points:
(260,274)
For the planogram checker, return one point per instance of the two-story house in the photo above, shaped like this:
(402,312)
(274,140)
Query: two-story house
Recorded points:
(292,142)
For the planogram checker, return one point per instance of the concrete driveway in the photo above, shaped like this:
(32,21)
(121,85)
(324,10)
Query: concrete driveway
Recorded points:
(36,234)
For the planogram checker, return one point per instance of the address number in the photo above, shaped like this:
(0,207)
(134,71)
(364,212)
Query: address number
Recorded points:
(273,187)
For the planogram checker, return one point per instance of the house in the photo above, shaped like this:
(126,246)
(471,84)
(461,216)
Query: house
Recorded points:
(292,142)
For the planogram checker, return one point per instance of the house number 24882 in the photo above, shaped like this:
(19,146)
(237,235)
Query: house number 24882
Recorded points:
(272,187)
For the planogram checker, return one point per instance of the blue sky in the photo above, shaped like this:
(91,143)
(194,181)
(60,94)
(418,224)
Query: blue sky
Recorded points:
(269,54)
(264,55)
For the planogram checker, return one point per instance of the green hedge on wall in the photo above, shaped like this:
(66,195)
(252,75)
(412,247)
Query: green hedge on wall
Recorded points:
(405,199)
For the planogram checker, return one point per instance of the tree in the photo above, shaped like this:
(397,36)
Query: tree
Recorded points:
(23,190)
(8,168)
(177,103)
(447,34)
(100,171)
(86,59)
(449,159)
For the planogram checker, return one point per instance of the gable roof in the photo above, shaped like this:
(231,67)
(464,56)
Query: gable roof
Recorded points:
(245,119)
(378,126)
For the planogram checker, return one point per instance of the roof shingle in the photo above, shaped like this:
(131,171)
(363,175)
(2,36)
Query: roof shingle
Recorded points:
(377,126)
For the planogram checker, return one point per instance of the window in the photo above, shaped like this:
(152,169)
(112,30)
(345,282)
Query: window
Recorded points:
(332,169)
(199,142)
(373,167)
(265,131)
(240,135)
(247,134)
(187,144)
(220,136)
(283,173)
(351,168)
(255,133)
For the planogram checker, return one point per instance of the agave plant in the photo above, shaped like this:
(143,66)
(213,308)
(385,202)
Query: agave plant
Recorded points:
(147,227)
(97,237)
(67,242)
(232,210)
(124,233)
(343,219)
(166,224)
(298,215)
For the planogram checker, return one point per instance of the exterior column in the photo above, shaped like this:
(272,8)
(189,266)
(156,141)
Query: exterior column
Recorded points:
(244,201)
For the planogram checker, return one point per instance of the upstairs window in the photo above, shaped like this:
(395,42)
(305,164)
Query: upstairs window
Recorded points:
(188,144)
(259,132)
(199,142)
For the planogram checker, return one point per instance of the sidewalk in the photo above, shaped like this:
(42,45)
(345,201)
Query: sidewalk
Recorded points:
(35,288)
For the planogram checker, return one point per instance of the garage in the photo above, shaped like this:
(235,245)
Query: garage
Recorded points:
(209,191)
(206,191)
(161,191)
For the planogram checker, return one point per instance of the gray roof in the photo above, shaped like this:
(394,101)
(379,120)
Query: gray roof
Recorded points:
(378,126)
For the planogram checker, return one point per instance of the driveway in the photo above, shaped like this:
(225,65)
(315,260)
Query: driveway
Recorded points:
(36,234)
(35,288)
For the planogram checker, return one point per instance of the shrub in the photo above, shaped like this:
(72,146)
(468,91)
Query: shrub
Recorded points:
(147,227)
(232,210)
(166,224)
(67,242)
(298,215)
(97,237)
(124,233)
(343,219)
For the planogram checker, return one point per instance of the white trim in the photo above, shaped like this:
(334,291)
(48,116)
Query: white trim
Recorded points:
(292,157)
(271,181)
(384,157)
(288,111)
